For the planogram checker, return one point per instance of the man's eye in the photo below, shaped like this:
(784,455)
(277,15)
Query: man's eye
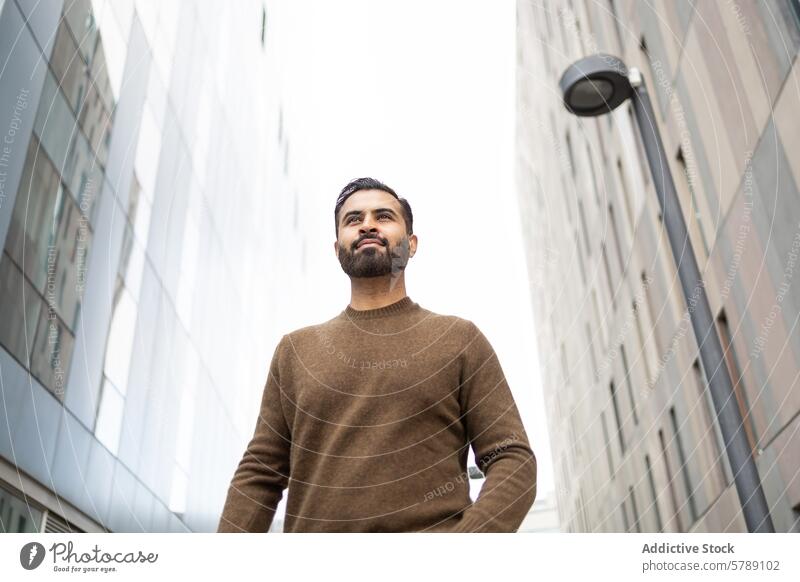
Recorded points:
(385,216)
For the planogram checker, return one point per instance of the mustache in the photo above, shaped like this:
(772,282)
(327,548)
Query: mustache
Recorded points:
(370,238)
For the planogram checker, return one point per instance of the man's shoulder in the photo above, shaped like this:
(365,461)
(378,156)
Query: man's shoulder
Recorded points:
(313,331)
(462,324)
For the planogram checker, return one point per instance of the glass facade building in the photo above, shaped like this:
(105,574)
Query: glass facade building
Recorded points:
(634,438)
(143,153)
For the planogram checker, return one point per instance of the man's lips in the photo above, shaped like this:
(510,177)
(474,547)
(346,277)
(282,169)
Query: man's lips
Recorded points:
(369,241)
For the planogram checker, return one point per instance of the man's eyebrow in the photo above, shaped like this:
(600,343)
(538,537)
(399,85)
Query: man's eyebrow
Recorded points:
(377,210)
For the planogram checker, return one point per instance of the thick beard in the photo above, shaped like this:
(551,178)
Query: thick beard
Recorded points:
(374,261)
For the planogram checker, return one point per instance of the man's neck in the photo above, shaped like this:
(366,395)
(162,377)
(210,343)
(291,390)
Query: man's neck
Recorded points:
(376,292)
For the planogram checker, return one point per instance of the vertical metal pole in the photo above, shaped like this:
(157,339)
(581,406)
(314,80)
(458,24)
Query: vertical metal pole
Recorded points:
(745,472)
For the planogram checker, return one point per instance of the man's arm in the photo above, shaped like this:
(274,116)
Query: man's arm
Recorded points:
(498,438)
(263,473)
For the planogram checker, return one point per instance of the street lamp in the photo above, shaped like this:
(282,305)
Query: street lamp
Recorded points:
(596,85)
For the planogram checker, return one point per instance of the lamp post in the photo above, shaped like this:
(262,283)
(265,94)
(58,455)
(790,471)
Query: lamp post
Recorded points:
(594,86)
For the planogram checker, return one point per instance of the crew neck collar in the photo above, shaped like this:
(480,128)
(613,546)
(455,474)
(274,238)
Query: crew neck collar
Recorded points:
(402,306)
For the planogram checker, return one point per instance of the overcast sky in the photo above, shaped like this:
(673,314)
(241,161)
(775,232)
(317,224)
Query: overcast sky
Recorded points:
(419,95)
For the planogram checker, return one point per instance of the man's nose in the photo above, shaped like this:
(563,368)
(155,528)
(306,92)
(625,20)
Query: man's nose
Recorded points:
(367,225)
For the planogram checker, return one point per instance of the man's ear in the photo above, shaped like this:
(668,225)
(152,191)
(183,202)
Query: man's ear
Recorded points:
(412,243)
(336,248)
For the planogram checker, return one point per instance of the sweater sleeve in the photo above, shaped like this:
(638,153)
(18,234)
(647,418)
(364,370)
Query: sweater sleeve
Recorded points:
(263,473)
(498,439)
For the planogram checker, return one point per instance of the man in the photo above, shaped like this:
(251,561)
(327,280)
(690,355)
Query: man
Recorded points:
(368,417)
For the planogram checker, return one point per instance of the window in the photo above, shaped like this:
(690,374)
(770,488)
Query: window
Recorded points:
(109,417)
(69,148)
(575,444)
(19,319)
(564,365)
(794,6)
(737,378)
(625,517)
(615,405)
(650,313)
(52,352)
(571,154)
(607,442)
(84,82)
(567,195)
(669,267)
(69,67)
(119,346)
(582,505)
(581,264)
(626,196)
(564,40)
(709,429)
(608,276)
(615,234)
(642,155)
(670,480)
(46,223)
(600,320)
(688,198)
(612,7)
(590,345)
(655,81)
(653,494)
(18,514)
(632,497)
(582,214)
(684,464)
(628,382)
(642,348)
(594,175)
(263,25)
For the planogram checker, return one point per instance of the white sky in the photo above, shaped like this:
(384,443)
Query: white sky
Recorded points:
(421,96)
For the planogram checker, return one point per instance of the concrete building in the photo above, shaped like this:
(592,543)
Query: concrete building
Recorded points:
(634,440)
(543,516)
(144,151)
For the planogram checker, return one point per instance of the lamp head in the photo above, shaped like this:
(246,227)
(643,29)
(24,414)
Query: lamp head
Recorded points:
(595,85)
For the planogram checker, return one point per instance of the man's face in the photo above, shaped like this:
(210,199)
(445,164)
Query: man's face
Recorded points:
(372,238)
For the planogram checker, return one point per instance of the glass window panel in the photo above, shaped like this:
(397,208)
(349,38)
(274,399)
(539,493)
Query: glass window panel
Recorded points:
(147,153)
(96,123)
(183,452)
(69,67)
(126,251)
(19,310)
(115,46)
(80,17)
(109,417)
(120,338)
(87,92)
(83,175)
(188,275)
(68,148)
(54,124)
(134,268)
(100,76)
(142,225)
(52,352)
(46,227)
(180,486)
(32,226)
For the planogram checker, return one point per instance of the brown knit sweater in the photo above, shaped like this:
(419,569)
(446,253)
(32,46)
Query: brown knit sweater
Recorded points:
(367,418)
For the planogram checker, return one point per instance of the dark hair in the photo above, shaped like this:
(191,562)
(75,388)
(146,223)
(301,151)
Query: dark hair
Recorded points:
(372,184)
